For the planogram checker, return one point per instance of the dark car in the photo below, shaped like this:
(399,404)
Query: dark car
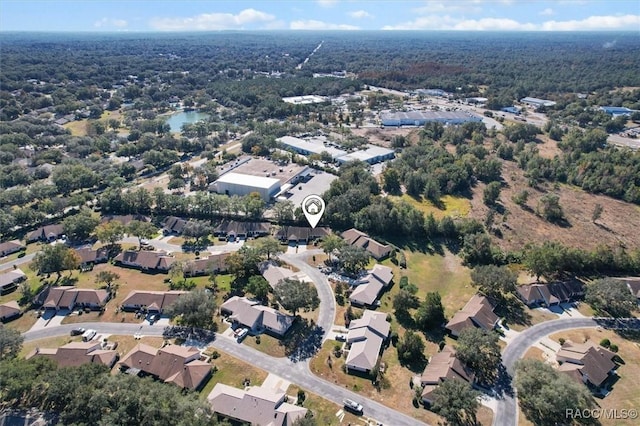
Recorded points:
(77,331)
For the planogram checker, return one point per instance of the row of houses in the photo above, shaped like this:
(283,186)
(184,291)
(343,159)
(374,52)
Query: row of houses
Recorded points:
(74,354)
(69,298)
(154,302)
(550,294)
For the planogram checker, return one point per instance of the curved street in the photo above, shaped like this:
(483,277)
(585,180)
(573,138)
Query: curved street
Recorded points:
(506,411)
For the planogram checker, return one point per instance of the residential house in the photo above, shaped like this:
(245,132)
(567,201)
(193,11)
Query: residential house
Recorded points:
(365,339)
(174,364)
(77,353)
(550,294)
(45,233)
(69,298)
(125,219)
(256,405)
(274,273)
(216,263)
(151,301)
(367,289)
(146,261)
(10,279)
(232,230)
(89,257)
(301,234)
(173,225)
(478,312)
(258,318)
(443,366)
(10,247)
(9,311)
(357,238)
(586,362)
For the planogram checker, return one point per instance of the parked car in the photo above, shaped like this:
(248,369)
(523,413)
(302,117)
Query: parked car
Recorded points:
(352,406)
(77,331)
(88,335)
(242,334)
(341,338)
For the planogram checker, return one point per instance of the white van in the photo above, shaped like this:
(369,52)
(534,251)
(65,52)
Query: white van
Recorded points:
(88,335)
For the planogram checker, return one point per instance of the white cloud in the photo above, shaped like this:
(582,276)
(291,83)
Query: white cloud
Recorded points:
(327,3)
(106,22)
(312,24)
(360,14)
(211,21)
(595,23)
(547,12)
(432,7)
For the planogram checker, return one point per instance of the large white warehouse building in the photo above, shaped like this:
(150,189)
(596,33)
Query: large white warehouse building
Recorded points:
(241,184)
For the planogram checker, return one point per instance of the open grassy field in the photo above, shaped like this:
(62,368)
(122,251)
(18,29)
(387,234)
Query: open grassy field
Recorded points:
(525,226)
(451,206)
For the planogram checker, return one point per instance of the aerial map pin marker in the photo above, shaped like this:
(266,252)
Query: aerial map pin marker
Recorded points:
(313,209)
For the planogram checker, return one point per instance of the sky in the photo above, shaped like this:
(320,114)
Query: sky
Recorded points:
(177,15)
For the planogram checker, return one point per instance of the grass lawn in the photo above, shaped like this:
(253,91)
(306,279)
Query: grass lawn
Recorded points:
(232,372)
(268,345)
(625,392)
(535,316)
(451,205)
(24,323)
(324,411)
(534,353)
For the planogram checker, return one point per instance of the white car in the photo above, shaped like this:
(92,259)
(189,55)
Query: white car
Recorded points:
(242,334)
(352,406)
(88,335)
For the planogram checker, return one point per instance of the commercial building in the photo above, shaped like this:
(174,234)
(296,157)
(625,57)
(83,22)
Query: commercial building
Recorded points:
(308,147)
(537,103)
(240,184)
(616,111)
(303,100)
(372,155)
(420,118)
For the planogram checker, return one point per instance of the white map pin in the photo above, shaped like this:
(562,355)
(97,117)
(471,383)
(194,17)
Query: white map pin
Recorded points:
(313,209)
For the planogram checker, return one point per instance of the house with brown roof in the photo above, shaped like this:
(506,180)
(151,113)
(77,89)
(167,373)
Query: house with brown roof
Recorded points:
(125,219)
(255,316)
(89,256)
(151,301)
(443,366)
(367,289)
(357,238)
(179,365)
(301,234)
(173,225)
(366,338)
(45,233)
(478,312)
(586,362)
(77,353)
(69,298)
(550,294)
(10,247)
(9,311)
(256,405)
(146,261)
(10,279)
(216,263)
(232,230)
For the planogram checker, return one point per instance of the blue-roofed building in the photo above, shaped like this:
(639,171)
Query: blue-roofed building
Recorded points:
(511,110)
(419,118)
(613,110)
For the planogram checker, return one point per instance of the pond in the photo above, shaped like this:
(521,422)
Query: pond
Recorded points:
(176,120)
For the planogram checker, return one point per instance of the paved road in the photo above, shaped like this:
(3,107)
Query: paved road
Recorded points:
(327,313)
(506,411)
(17,262)
(295,372)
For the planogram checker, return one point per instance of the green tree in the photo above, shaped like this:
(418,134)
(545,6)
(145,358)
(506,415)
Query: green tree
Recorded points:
(141,229)
(480,351)
(404,301)
(430,314)
(258,286)
(195,309)
(332,244)
(352,258)
(597,212)
(283,211)
(549,208)
(410,348)
(545,395)
(294,295)
(110,232)
(10,343)
(107,278)
(391,181)
(494,280)
(456,401)
(491,193)
(268,246)
(244,263)
(610,296)
(80,226)
(521,197)
(55,258)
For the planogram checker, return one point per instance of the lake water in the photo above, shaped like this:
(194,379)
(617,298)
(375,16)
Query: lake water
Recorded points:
(179,118)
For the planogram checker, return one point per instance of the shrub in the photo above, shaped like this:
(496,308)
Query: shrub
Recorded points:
(257,340)
(404,281)
(215,355)
(613,347)
(301,396)
(605,343)
(561,340)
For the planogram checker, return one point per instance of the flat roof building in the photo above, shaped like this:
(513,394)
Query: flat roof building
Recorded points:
(419,118)
(372,155)
(306,147)
(615,111)
(536,102)
(307,99)
(241,184)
